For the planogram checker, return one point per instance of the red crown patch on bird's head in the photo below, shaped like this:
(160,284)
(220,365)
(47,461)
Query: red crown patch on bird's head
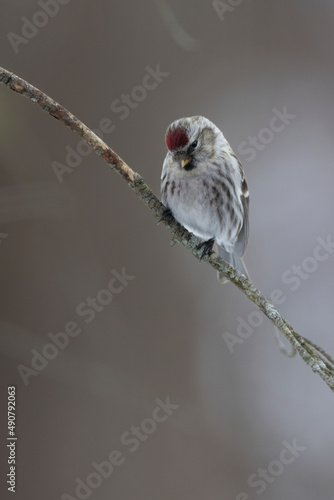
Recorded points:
(176,139)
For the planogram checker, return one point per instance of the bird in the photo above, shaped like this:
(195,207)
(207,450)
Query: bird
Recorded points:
(203,186)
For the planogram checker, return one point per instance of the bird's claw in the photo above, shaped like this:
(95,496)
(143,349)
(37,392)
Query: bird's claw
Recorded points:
(167,216)
(207,248)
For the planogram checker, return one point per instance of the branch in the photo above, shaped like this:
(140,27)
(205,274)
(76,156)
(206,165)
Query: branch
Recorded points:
(313,355)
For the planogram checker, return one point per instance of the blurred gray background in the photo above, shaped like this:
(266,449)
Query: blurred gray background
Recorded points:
(163,335)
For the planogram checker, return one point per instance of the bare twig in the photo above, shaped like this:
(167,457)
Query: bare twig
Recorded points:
(314,356)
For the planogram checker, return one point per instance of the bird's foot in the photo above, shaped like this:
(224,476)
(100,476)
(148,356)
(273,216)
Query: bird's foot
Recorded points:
(207,248)
(167,216)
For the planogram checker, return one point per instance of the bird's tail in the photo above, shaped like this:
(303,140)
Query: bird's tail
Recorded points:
(234,260)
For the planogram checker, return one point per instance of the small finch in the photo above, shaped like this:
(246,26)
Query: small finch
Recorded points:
(204,187)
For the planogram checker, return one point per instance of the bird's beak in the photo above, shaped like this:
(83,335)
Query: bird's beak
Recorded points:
(185,162)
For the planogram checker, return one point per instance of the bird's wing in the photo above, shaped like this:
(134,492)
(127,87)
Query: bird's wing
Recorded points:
(242,240)
(164,175)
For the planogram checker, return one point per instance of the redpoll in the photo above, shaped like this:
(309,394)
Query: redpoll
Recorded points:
(203,185)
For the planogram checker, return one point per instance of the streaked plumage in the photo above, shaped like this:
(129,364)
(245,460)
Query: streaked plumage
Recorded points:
(204,186)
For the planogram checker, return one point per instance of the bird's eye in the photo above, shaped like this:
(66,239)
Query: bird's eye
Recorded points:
(194,144)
